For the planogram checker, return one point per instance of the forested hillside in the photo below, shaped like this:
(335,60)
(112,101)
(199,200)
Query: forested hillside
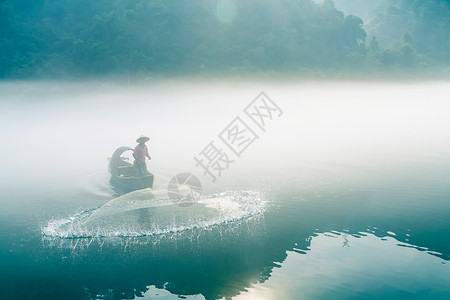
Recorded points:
(418,31)
(67,38)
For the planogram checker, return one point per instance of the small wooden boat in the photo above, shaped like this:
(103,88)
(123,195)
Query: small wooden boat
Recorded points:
(124,176)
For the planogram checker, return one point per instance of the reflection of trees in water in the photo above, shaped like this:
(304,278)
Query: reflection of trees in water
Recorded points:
(224,260)
(205,261)
(345,242)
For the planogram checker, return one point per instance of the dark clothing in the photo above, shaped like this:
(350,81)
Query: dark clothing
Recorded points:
(141,168)
(140,154)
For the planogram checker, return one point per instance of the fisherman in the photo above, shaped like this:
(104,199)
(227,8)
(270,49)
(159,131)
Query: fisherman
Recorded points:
(139,154)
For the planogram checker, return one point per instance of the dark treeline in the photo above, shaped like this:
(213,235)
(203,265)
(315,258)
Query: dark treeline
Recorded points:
(67,38)
(415,33)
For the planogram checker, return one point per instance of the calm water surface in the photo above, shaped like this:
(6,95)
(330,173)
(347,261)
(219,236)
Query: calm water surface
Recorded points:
(345,196)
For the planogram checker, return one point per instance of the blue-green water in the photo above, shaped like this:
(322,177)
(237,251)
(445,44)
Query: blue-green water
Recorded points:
(363,216)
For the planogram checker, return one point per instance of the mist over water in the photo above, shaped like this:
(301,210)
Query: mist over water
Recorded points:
(51,130)
(349,173)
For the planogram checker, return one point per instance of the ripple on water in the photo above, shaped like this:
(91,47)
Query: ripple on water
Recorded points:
(147,212)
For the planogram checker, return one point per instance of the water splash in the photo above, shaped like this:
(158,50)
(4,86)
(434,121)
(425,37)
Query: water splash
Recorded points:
(147,212)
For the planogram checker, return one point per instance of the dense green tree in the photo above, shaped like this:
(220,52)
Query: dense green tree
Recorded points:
(418,32)
(65,38)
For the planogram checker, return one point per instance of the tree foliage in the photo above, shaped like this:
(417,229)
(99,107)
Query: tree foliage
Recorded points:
(66,38)
(413,32)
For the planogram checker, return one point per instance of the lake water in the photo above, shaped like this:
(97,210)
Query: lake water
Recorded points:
(344,194)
